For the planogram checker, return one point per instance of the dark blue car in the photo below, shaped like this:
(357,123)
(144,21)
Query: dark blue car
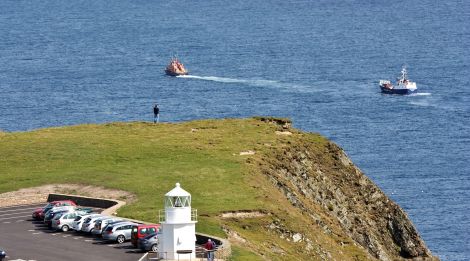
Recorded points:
(2,254)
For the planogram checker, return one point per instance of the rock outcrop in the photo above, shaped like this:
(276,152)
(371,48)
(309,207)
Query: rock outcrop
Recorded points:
(309,173)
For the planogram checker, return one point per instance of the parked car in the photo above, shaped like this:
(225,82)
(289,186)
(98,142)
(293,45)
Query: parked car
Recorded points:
(149,242)
(101,223)
(78,221)
(89,223)
(119,232)
(39,213)
(64,220)
(112,223)
(3,254)
(59,208)
(141,231)
(52,213)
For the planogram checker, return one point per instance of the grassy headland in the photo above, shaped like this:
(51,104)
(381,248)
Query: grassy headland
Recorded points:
(204,156)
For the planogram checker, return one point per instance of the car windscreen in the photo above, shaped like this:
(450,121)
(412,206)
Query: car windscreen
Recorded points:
(77,218)
(108,229)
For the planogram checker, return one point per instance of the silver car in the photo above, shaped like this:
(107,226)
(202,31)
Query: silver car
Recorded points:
(77,223)
(119,232)
(111,224)
(101,223)
(58,209)
(149,242)
(64,221)
(89,223)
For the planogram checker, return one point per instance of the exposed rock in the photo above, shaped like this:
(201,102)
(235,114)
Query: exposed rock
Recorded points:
(243,214)
(297,237)
(283,133)
(365,213)
(234,236)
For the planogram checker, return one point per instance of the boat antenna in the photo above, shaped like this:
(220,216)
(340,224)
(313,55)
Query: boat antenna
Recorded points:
(403,72)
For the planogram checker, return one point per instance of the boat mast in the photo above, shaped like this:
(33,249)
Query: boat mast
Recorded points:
(404,75)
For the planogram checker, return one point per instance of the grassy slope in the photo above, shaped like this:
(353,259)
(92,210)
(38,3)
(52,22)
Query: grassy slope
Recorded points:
(148,159)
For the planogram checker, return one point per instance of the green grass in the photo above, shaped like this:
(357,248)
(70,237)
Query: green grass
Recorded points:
(142,158)
(148,159)
(243,254)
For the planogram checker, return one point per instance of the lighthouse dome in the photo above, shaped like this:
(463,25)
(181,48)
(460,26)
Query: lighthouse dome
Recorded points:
(177,192)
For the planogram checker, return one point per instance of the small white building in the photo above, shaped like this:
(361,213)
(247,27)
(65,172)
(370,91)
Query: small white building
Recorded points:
(178,226)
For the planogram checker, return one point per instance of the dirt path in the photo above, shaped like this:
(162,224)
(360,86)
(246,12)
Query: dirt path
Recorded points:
(39,194)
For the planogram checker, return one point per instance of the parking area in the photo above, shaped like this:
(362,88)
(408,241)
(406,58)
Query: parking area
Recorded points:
(25,239)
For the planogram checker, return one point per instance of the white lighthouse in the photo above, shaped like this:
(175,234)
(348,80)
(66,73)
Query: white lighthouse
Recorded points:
(178,224)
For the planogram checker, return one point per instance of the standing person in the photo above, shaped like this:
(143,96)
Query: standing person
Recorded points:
(156,113)
(209,246)
(214,246)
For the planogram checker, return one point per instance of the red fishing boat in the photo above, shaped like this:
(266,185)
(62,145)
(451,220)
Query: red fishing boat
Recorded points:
(175,68)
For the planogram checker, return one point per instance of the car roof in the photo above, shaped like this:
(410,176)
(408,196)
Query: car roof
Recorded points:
(147,225)
(104,218)
(97,217)
(123,224)
(89,215)
(58,212)
(111,219)
(117,221)
(63,207)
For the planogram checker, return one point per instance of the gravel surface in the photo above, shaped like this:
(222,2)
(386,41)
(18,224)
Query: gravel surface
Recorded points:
(39,194)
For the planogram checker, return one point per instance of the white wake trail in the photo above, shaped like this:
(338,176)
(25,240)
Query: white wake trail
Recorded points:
(249,82)
(228,80)
(420,94)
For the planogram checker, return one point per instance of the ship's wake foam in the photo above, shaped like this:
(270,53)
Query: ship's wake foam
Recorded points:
(249,82)
(420,94)
(231,80)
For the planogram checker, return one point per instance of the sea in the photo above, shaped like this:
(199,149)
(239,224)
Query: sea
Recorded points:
(317,62)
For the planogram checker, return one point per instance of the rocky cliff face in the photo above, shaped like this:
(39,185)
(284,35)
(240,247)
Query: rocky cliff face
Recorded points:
(310,173)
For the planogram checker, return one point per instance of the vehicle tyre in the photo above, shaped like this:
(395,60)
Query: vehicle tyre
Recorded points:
(154,248)
(65,228)
(120,239)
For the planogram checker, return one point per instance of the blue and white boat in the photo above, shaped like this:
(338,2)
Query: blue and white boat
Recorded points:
(404,86)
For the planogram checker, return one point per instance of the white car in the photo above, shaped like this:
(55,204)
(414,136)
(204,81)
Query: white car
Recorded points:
(101,223)
(78,222)
(89,223)
(60,208)
(64,221)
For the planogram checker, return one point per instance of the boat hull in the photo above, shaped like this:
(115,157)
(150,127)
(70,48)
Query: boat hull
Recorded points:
(172,73)
(396,91)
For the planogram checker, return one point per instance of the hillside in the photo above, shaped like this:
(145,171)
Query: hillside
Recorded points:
(275,192)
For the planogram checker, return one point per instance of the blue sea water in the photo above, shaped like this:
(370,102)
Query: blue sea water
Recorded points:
(316,62)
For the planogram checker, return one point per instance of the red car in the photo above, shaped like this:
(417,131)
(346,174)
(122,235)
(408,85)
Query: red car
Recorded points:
(141,231)
(38,214)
